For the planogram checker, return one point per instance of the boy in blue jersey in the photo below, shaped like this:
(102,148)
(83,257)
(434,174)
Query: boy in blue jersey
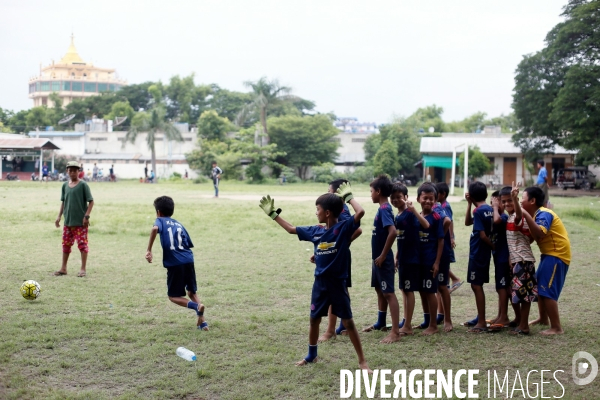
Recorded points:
(178,259)
(443,296)
(407,224)
(501,261)
(480,250)
(383,268)
(431,247)
(331,331)
(443,192)
(331,258)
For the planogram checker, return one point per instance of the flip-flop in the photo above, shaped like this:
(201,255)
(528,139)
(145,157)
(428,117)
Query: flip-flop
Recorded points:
(455,286)
(518,332)
(81,274)
(374,328)
(478,330)
(59,273)
(495,327)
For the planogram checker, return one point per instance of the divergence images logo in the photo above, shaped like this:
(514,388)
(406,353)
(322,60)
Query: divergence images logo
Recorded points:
(325,245)
(581,367)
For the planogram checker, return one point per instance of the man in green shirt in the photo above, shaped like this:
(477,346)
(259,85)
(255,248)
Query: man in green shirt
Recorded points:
(77,204)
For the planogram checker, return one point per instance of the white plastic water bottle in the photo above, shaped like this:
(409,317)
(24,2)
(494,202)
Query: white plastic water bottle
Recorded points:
(185,354)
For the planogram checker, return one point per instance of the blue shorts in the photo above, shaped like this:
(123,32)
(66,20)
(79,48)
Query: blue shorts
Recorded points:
(502,274)
(429,283)
(444,272)
(383,277)
(410,277)
(478,272)
(181,278)
(330,292)
(550,275)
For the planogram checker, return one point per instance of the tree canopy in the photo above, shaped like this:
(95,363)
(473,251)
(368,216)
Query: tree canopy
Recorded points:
(557,90)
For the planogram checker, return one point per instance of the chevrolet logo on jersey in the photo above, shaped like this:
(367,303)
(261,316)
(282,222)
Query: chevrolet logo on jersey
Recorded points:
(325,245)
(399,232)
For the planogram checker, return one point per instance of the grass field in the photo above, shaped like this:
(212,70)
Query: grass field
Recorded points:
(113,334)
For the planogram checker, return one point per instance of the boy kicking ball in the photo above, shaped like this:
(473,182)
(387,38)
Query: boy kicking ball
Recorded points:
(178,259)
(331,259)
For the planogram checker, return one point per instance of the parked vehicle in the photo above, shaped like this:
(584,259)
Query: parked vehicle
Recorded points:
(575,178)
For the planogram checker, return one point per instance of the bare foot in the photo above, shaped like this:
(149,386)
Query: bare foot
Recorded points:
(504,322)
(81,274)
(60,272)
(326,336)
(448,326)
(430,331)
(406,330)
(552,331)
(304,362)
(539,321)
(391,338)
(363,365)
(372,328)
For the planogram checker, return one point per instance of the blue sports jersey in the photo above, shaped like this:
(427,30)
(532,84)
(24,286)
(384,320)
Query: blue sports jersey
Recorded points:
(345,214)
(498,237)
(428,238)
(175,241)
(448,210)
(448,253)
(331,247)
(407,237)
(483,219)
(383,219)
(44,170)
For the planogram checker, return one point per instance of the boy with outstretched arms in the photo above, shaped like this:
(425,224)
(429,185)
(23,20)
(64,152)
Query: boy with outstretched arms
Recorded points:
(480,250)
(407,224)
(551,236)
(523,290)
(443,295)
(331,331)
(331,259)
(178,258)
(383,268)
(431,247)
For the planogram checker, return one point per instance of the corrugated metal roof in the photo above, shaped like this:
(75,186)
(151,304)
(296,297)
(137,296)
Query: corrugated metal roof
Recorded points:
(54,133)
(27,144)
(487,145)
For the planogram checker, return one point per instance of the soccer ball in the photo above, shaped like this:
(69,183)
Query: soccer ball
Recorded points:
(30,290)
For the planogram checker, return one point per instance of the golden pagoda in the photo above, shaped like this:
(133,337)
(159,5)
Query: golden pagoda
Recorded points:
(72,78)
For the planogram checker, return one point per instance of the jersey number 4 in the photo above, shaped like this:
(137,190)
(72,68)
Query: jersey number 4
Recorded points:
(178,238)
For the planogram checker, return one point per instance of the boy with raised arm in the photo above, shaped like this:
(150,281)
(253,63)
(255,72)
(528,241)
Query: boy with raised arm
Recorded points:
(331,258)
(331,331)
(383,268)
(551,236)
(480,250)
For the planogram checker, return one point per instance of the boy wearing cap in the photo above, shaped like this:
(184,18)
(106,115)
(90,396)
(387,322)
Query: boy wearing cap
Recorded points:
(77,204)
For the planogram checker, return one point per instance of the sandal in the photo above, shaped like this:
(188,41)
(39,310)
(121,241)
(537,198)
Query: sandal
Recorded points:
(518,332)
(478,330)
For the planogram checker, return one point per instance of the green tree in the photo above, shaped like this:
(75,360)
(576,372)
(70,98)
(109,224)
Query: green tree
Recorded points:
(228,104)
(212,127)
(18,122)
(479,164)
(38,118)
(556,89)
(371,146)
(184,100)
(407,146)
(6,115)
(137,95)
(424,118)
(209,150)
(386,159)
(307,141)
(153,123)
(121,109)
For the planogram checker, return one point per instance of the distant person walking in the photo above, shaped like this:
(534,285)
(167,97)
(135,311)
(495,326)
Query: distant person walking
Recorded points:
(45,172)
(146,172)
(216,176)
(111,172)
(95,173)
(542,180)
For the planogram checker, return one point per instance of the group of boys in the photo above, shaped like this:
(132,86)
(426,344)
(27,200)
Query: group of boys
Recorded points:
(424,252)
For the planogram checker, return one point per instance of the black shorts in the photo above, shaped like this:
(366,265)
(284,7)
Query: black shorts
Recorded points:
(383,277)
(502,274)
(181,278)
(409,278)
(444,272)
(478,272)
(429,283)
(330,292)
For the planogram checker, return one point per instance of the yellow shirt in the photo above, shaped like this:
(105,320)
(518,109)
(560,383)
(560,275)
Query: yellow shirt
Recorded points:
(556,240)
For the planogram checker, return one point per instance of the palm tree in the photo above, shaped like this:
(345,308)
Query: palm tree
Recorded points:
(152,122)
(264,93)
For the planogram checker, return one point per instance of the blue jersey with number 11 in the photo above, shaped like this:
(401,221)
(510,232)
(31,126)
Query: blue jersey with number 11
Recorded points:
(175,241)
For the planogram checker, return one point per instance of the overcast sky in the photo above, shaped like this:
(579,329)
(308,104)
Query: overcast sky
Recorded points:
(366,59)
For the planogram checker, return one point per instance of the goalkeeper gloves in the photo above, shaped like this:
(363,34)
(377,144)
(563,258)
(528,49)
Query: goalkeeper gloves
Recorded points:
(268,206)
(345,192)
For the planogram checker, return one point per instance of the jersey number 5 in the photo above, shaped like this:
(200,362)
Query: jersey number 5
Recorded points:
(178,238)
